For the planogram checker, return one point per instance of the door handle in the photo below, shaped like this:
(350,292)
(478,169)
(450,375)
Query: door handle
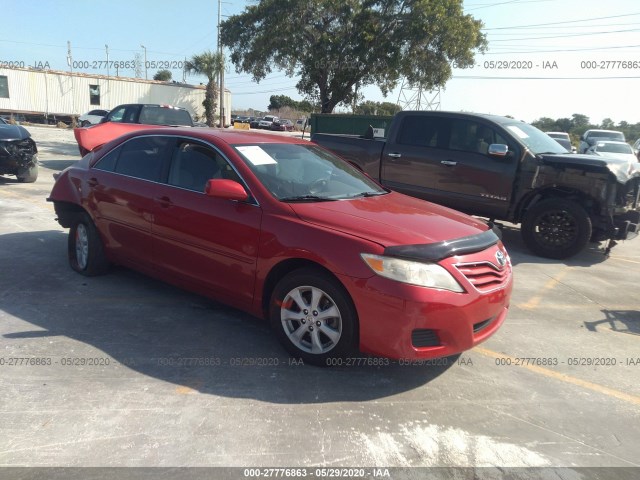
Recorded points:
(394,155)
(449,163)
(92,182)
(165,202)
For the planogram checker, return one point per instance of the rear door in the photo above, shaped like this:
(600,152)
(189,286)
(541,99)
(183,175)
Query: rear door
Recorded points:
(123,185)
(445,160)
(209,242)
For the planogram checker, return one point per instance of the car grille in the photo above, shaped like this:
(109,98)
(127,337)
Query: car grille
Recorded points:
(423,337)
(17,148)
(485,276)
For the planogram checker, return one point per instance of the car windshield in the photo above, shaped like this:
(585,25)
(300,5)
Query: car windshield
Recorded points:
(614,147)
(535,140)
(303,173)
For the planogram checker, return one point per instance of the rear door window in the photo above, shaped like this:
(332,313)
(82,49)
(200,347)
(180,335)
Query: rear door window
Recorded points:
(422,131)
(144,157)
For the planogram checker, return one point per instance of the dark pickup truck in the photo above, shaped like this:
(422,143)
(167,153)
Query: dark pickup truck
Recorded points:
(502,169)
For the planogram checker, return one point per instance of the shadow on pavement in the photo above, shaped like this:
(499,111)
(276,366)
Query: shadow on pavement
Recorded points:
(623,321)
(169,334)
(57,165)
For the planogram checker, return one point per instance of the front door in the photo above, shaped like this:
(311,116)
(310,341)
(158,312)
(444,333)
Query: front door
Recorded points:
(206,241)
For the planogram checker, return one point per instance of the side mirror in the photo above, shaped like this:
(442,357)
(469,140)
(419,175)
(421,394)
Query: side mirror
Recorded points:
(582,137)
(226,190)
(498,150)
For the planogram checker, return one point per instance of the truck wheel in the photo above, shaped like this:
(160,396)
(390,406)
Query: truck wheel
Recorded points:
(28,174)
(313,317)
(556,228)
(85,249)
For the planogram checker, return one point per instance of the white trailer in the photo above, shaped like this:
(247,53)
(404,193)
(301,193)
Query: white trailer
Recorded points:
(54,93)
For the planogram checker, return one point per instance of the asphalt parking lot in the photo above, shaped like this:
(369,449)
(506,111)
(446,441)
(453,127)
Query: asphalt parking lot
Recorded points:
(122,370)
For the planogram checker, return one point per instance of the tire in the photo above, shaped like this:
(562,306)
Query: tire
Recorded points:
(328,328)
(556,228)
(85,123)
(85,248)
(28,174)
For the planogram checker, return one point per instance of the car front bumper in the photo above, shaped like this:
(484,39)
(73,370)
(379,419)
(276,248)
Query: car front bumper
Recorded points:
(402,321)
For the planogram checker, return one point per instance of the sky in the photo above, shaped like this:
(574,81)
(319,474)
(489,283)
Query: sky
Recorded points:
(546,58)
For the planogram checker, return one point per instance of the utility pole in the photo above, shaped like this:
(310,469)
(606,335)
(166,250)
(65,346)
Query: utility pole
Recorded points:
(417,97)
(70,63)
(222,69)
(106,47)
(145,62)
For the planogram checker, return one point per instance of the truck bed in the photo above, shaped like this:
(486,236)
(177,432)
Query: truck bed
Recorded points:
(363,152)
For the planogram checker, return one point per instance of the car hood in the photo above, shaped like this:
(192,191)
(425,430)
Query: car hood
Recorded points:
(13,132)
(391,220)
(620,169)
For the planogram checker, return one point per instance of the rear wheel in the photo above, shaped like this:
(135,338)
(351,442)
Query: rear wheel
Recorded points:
(85,249)
(556,228)
(313,316)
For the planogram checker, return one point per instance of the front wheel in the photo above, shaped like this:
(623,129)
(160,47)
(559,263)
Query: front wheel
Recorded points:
(313,316)
(28,174)
(556,228)
(85,123)
(85,249)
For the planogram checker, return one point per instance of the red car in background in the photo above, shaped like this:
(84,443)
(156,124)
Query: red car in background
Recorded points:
(128,118)
(286,231)
(282,125)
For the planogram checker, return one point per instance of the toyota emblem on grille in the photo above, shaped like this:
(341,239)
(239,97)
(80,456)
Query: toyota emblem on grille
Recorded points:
(502,260)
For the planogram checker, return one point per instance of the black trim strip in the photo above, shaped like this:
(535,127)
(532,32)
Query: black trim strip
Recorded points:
(434,252)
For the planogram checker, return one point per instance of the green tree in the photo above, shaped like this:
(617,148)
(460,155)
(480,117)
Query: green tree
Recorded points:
(608,124)
(339,46)
(163,75)
(276,102)
(377,108)
(545,124)
(210,64)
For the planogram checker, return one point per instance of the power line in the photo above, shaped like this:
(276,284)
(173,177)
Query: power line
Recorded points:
(562,23)
(504,3)
(563,50)
(563,36)
(481,77)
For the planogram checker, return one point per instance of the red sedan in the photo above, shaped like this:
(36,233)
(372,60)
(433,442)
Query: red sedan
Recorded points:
(286,231)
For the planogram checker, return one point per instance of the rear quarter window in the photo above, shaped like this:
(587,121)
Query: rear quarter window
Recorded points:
(156,115)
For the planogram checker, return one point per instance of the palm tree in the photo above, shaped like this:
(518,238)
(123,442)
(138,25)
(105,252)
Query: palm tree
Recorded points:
(209,64)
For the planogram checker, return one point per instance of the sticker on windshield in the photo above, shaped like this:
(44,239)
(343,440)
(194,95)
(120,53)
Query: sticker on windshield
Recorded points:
(517,131)
(256,155)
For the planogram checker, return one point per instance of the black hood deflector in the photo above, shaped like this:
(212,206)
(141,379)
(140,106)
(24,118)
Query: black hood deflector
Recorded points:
(435,252)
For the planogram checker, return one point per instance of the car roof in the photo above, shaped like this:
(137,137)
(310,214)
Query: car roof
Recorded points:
(162,105)
(487,116)
(615,142)
(228,136)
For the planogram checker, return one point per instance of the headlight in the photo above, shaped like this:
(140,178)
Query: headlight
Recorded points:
(415,273)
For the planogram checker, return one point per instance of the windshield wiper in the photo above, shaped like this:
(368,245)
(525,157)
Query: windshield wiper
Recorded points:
(307,198)
(366,194)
